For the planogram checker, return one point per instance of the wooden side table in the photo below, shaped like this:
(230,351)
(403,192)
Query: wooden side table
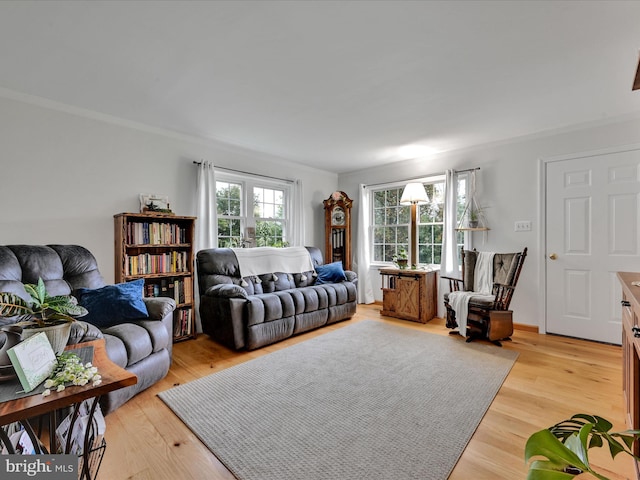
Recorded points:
(409,294)
(22,409)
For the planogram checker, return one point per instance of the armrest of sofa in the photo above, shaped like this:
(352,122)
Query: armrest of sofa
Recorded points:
(83,332)
(226,290)
(159,307)
(351,276)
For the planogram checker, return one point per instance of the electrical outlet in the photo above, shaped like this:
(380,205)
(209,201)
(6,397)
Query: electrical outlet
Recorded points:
(523,226)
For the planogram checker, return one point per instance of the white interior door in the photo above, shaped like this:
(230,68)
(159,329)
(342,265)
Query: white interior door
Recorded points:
(592,232)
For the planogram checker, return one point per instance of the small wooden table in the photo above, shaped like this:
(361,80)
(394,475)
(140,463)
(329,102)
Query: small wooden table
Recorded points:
(409,294)
(113,378)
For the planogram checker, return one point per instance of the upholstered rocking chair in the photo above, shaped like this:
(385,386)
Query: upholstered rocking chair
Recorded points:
(484,293)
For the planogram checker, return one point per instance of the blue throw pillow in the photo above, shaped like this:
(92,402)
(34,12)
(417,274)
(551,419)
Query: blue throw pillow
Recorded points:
(330,273)
(113,304)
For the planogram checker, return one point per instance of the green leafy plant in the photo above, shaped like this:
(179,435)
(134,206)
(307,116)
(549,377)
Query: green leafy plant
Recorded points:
(475,214)
(566,446)
(401,259)
(44,309)
(401,255)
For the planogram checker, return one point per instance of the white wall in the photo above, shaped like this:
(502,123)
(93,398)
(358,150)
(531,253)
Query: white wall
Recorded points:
(64,174)
(508,184)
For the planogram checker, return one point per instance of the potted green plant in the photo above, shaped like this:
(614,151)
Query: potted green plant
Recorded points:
(474,218)
(401,259)
(565,446)
(51,314)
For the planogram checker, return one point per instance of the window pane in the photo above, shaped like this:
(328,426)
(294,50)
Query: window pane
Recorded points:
(430,224)
(391,224)
(391,216)
(389,252)
(246,203)
(228,198)
(268,203)
(229,233)
(378,235)
(234,207)
(403,236)
(379,199)
(389,235)
(404,214)
(229,208)
(269,234)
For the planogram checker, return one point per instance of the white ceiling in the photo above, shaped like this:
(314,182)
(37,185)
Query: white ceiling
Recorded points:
(338,85)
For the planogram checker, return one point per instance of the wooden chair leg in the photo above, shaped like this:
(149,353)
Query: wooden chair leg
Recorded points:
(451,317)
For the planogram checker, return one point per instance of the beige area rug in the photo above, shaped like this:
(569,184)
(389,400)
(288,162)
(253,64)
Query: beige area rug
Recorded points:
(368,401)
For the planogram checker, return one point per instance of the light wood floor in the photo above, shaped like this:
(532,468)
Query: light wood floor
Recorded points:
(553,378)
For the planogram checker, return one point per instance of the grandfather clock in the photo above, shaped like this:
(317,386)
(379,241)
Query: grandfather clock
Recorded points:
(337,228)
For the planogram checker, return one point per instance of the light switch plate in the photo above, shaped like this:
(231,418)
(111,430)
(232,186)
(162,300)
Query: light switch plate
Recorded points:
(523,226)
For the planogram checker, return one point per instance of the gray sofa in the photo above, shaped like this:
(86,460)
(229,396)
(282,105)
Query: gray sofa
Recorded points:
(252,312)
(142,346)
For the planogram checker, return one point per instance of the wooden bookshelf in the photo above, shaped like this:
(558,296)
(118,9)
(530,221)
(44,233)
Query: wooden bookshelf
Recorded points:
(159,248)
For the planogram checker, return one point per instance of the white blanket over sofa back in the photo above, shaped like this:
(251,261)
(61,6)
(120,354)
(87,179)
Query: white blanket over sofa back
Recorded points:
(262,260)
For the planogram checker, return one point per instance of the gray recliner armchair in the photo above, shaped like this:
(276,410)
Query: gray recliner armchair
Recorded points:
(141,346)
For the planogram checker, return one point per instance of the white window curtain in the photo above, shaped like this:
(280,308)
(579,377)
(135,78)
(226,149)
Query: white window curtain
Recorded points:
(207,222)
(449,265)
(362,266)
(206,207)
(296,223)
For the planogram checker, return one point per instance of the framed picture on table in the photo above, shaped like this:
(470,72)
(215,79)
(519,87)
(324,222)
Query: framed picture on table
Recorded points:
(153,202)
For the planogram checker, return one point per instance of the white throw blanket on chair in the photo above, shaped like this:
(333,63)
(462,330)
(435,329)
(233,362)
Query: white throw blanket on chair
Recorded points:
(482,288)
(261,260)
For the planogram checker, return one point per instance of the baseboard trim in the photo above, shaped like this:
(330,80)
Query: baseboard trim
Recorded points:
(525,327)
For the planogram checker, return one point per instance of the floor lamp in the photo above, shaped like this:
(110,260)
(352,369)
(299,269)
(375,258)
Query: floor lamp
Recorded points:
(414,194)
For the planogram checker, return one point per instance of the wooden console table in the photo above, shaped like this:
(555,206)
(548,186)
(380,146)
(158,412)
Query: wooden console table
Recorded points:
(409,294)
(631,354)
(24,408)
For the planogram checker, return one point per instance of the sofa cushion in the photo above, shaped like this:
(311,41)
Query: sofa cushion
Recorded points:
(113,304)
(268,307)
(80,267)
(330,273)
(135,340)
(41,261)
(157,334)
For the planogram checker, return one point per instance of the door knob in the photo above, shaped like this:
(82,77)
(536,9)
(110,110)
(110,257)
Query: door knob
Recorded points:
(553,256)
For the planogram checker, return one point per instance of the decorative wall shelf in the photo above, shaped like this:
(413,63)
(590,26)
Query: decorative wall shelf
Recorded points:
(468,229)
(472,211)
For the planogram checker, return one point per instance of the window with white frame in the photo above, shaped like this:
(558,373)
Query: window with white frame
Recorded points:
(252,211)
(391,222)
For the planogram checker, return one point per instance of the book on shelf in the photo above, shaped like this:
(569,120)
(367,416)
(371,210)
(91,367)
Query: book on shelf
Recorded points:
(182,322)
(148,263)
(155,233)
(180,288)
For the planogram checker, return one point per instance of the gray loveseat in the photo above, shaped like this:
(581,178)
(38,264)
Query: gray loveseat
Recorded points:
(141,346)
(255,311)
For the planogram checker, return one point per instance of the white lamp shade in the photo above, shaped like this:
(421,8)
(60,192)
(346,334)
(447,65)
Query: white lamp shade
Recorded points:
(414,193)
